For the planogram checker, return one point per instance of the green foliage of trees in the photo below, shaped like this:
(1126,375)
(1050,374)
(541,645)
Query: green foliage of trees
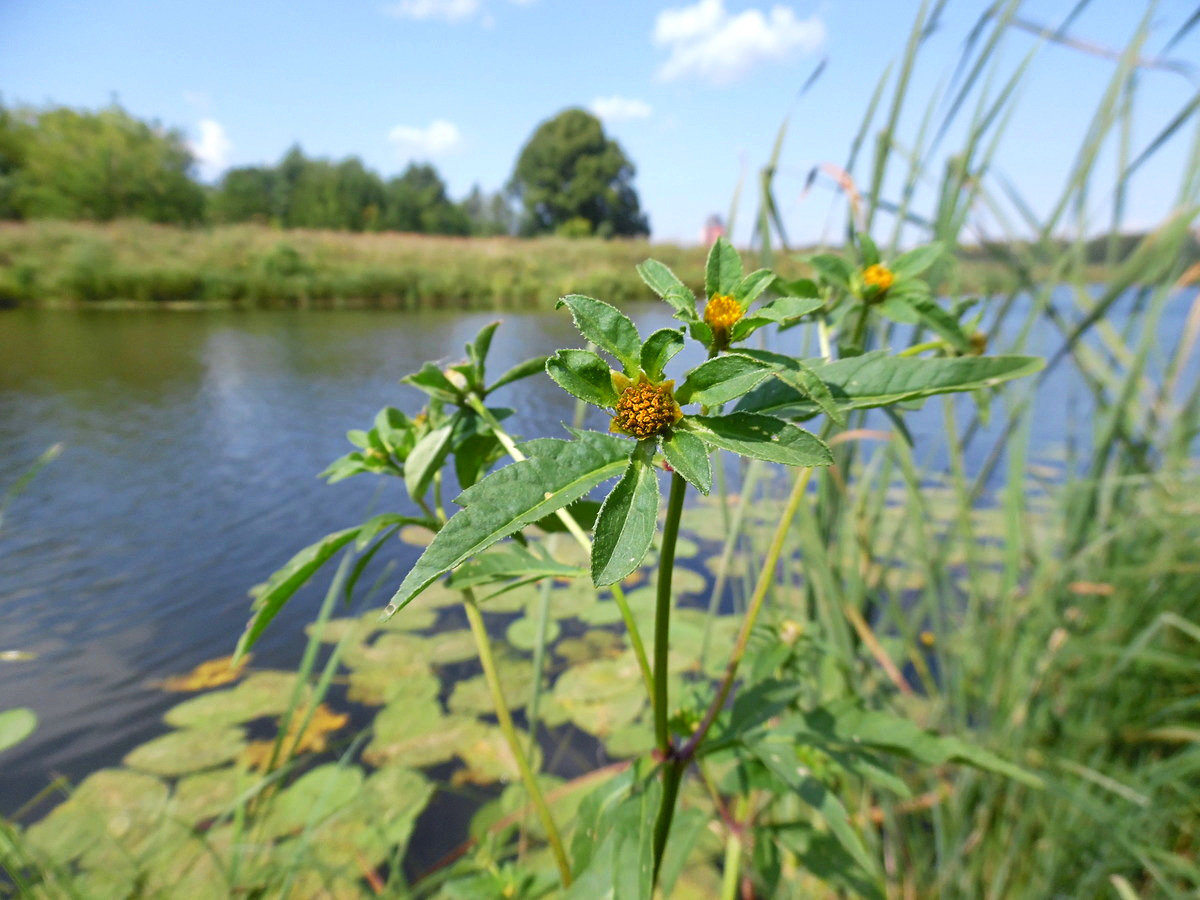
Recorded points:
(66,164)
(570,174)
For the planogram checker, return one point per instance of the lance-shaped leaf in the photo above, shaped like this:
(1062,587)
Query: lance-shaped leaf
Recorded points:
(832,269)
(627,521)
(583,375)
(520,370)
(759,437)
(749,288)
(658,350)
(426,459)
(796,373)
(914,262)
(606,327)
(477,351)
(783,311)
(925,310)
(512,562)
(434,382)
(688,455)
(722,379)
(667,285)
(555,474)
(723,271)
(877,379)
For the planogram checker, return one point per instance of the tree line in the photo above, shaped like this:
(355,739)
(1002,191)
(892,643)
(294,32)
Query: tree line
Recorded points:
(62,163)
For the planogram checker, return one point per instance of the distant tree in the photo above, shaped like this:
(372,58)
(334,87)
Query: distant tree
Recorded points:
(416,201)
(246,195)
(569,171)
(69,164)
(489,214)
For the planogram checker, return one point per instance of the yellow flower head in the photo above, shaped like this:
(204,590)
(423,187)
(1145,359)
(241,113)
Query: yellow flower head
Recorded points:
(721,314)
(644,408)
(878,277)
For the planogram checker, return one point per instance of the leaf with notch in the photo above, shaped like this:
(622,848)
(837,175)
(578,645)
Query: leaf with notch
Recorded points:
(722,379)
(555,474)
(584,375)
(784,311)
(667,285)
(760,437)
(688,456)
(658,350)
(606,327)
(723,271)
(627,521)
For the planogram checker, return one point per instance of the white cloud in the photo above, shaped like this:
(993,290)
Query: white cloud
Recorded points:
(620,109)
(446,10)
(212,150)
(439,138)
(707,42)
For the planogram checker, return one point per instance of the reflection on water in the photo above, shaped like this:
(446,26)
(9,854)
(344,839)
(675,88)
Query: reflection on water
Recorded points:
(192,444)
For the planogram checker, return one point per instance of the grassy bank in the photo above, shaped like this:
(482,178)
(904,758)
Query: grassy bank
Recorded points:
(254,265)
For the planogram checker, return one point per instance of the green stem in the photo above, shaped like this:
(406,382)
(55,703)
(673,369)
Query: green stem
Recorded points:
(504,719)
(573,527)
(662,610)
(766,577)
(733,857)
(672,775)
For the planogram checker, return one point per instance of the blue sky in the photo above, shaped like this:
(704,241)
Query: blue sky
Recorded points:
(694,90)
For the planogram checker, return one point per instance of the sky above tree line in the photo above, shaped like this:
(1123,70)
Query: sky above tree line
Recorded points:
(694,92)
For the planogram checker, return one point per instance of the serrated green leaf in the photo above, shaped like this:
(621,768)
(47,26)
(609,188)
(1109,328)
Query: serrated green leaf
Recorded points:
(531,366)
(667,285)
(723,271)
(797,374)
(877,379)
(477,350)
(783,311)
(916,261)
(658,350)
(287,580)
(752,285)
(722,379)
(688,456)
(760,437)
(627,521)
(426,459)
(513,562)
(555,474)
(608,328)
(584,375)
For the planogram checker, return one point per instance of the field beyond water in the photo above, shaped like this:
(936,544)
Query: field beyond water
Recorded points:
(134,262)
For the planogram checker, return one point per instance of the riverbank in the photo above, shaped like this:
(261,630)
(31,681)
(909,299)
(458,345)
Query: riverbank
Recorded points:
(134,263)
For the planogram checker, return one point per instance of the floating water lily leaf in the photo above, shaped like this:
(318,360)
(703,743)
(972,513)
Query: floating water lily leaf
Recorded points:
(392,650)
(415,619)
(629,740)
(488,758)
(16,725)
(514,803)
(590,645)
(524,633)
(312,799)
(206,795)
(109,804)
(262,694)
(198,868)
(472,695)
(324,721)
(566,601)
(210,674)
(334,631)
(450,647)
(417,734)
(187,750)
(380,685)
(602,695)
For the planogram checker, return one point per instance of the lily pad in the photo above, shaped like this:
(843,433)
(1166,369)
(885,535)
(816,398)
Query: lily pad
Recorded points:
(380,685)
(488,758)
(262,694)
(262,755)
(594,644)
(417,734)
(312,799)
(523,633)
(16,725)
(602,695)
(629,740)
(207,795)
(450,647)
(473,696)
(187,750)
(514,804)
(111,804)
(210,674)
(415,617)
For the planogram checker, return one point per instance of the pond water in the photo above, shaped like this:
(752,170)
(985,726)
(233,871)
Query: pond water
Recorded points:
(192,444)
